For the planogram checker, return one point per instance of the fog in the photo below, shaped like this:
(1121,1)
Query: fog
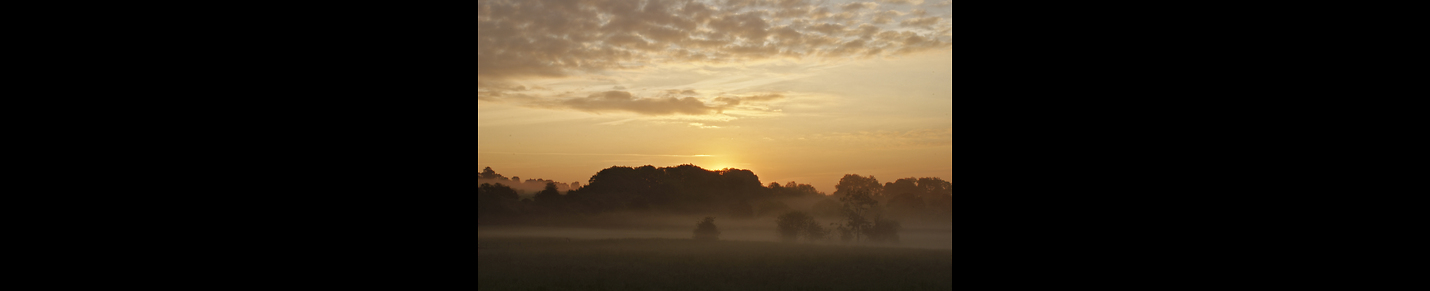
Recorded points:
(914,234)
(688,228)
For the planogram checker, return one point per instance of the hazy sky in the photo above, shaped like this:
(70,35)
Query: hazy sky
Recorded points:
(793,90)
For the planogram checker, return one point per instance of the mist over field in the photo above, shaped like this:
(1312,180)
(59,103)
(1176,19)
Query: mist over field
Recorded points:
(688,228)
(926,235)
(686,264)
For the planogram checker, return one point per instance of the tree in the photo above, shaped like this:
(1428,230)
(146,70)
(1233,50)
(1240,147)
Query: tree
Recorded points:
(857,204)
(495,201)
(790,225)
(549,195)
(853,182)
(815,232)
(489,174)
(497,192)
(904,197)
(884,231)
(706,230)
(793,189)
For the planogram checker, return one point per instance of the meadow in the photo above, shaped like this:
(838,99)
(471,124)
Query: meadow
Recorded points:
(685,264)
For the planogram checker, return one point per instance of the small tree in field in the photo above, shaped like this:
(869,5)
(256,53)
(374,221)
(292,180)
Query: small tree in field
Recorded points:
(790,225)
(793,225)
(705,230)
(885,231)
(815,232)
(857,205)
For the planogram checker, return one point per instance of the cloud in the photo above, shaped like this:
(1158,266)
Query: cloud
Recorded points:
(919,22)
(597,154)
(677,92)
(578,50)
(914,2)
(735,100)
(537,39)
(859,5)
(885,17)
(622,101)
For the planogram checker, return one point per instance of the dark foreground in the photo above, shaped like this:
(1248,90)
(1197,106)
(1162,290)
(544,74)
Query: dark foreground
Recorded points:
(670,264)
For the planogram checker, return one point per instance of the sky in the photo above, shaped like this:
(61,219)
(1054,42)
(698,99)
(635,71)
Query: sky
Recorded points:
(793,90)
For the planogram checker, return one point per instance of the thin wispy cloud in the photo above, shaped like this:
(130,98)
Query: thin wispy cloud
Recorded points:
(595,154)
(623,101)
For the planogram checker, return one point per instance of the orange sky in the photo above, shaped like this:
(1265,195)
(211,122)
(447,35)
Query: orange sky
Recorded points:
(793,90)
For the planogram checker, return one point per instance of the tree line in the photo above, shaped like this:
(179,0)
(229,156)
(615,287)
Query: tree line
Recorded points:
(865,208)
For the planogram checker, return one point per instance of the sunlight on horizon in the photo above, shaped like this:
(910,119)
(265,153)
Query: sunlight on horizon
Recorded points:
(794,93)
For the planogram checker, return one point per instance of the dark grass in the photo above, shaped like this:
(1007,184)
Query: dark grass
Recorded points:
(672,264)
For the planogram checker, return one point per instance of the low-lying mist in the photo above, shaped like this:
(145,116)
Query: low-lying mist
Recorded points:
(725,205)
(913,234)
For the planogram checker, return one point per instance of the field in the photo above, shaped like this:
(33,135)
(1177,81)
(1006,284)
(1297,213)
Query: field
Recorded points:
(683,264)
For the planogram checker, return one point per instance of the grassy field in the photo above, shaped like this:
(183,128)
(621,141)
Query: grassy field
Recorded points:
(675,264)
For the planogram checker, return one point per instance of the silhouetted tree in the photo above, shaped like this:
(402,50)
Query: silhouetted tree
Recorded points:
(548,196)
(706,230)
(497,191)
(853,182)
(739,193)
(884,231)
(815,232)
(495,201)
(793,190)
(904,196)
(938,195)
(487,173)
(801,190)
(681,188)
(919,197)
(857,204)
(790,225)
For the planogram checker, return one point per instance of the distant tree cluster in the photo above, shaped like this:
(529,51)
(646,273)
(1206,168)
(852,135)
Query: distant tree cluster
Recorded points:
(681,189)
(793,190)
(869,209)
(496,202)
(910,198)
(864,208)
(489,176)
(921,196)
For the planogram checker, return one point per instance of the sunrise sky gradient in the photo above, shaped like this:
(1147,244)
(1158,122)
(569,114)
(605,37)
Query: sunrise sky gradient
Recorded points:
(793,90)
